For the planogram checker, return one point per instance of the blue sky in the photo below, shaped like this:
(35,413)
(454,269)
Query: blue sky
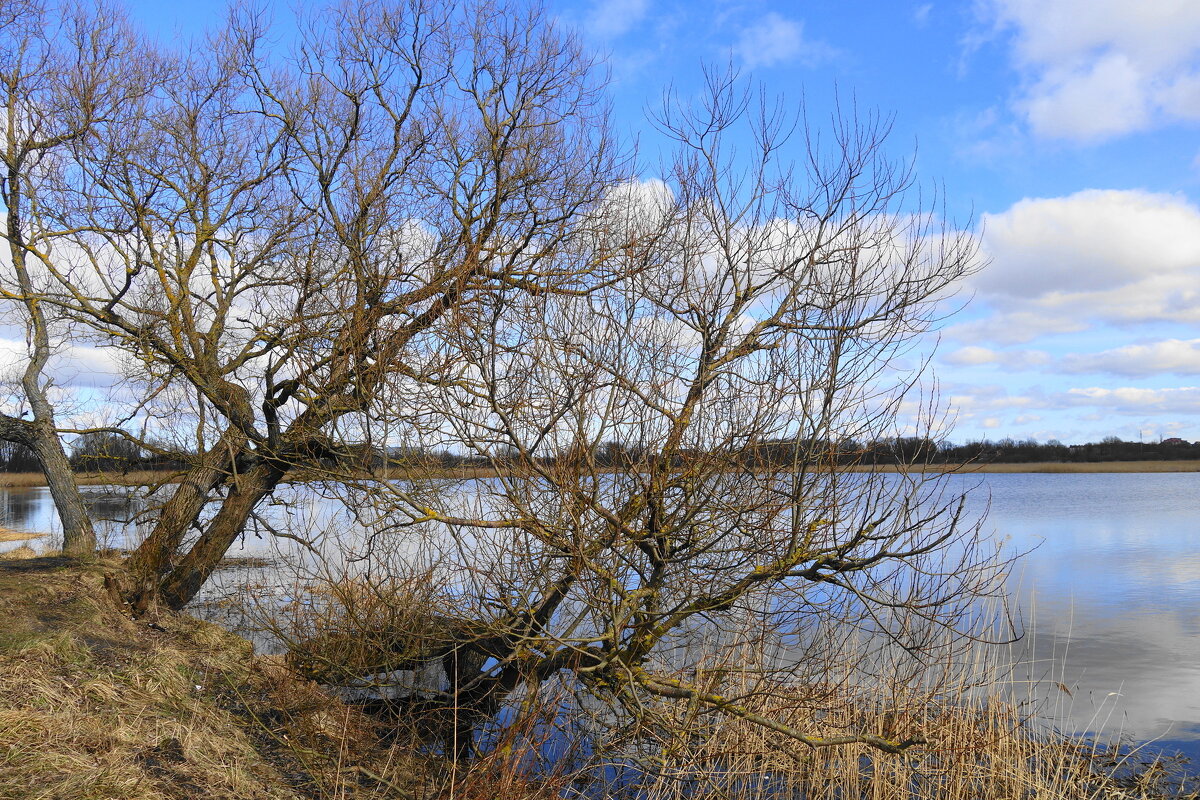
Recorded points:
(1066,129)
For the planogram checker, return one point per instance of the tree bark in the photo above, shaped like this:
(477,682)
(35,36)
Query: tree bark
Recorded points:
(182,583)
(154,556)
(79,537)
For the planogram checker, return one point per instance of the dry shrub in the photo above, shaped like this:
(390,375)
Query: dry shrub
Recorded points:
(340,630)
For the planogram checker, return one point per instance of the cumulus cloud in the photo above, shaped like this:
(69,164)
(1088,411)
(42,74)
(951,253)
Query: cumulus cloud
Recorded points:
(74,366)
(1133,400)
(1096,101)
(1067,264)
(1178,356)
(775,39)
(1087,241)
(1097,69)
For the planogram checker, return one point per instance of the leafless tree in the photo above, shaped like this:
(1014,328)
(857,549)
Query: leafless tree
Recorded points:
(417,230)
(274,242)
(757,300)
(63,77)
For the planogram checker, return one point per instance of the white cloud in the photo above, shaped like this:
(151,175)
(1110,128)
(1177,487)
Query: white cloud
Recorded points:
(609,19)
(1134,400)
(775,39)
(1067,264)
(1012,327)
(1182,99)
(972,399)
(1101,100)
(1172,355)
(1012,359)
(1096,69)
(78,366)
(1091,240)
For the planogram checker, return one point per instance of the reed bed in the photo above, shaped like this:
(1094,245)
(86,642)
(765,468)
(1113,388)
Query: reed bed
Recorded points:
(10,535)
(18,480)
(985,734)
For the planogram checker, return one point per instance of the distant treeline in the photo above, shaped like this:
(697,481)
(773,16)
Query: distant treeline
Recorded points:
(1012,451)
(94,452)
(112,452)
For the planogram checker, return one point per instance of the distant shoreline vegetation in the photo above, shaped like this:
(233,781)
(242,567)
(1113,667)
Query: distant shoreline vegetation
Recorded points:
(111,458)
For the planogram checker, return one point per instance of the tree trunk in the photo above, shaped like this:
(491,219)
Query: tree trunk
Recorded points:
(79,537)
(154,556)
(182,583)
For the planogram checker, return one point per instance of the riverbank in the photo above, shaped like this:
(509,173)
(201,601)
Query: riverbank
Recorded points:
(18,480)
(1082,467)
(95,705)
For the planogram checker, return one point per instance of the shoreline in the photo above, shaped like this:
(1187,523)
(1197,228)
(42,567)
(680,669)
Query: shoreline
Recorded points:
(17,480)
(1049,467)
(108,705)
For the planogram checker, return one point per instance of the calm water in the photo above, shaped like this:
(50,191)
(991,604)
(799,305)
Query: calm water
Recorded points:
(1111,587)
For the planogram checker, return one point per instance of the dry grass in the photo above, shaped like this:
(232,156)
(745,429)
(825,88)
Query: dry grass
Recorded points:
(978,748)
(136,478)
(9,535)
(983,737)
(94,705)
(20,553)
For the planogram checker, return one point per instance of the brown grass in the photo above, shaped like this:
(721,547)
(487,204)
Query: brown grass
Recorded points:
(9,535)
(979,747)
(20,553)
(982,736)
(95,705)
(137,478)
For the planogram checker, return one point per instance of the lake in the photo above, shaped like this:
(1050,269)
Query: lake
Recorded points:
(1110,589)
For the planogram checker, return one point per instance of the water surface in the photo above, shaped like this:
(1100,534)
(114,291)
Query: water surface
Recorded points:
(1109,589)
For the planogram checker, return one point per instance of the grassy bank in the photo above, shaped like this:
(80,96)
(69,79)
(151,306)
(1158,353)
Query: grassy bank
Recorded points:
(96,705)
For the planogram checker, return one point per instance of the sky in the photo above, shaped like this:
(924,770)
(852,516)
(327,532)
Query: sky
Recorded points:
(1063,132)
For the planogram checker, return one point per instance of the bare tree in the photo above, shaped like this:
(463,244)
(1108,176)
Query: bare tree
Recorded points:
(275,242)
(757,299)
(63,77)
(417,231)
